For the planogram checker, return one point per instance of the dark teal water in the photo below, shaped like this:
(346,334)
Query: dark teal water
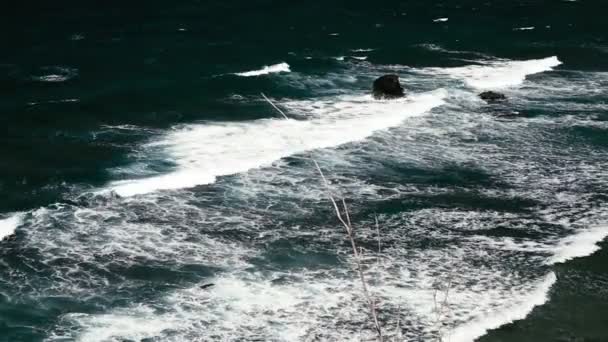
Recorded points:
(139,163)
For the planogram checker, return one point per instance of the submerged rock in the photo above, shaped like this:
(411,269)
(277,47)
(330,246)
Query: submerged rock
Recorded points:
(492,96)
(388,87)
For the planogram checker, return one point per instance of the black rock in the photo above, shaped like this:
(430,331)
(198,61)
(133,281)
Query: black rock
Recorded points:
(492,96)
(12,237)
(206,286)
(388,87)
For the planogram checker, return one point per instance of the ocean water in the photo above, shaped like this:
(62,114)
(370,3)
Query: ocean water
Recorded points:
(140,164)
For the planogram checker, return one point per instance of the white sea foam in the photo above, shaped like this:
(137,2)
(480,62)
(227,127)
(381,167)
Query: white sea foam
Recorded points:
(56,74)
(434,47)
(500,74)
(203,152)
(77,36)
(439,48)
(310,305)
(136,324)
(123,127)
(53,101)
(268,69)
(517,308)
(106,234)
(579,245)
(488,291)
(9,224)
(440,20)
(53,78)
(235,307)
(527,28)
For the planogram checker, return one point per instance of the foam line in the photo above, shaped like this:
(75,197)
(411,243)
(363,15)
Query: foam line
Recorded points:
(518,308)
(579,245)
(268,69)
(10,224)
(497,75)
(206,151)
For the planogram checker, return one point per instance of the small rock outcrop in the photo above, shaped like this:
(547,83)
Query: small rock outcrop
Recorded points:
(492,96)
(388,87)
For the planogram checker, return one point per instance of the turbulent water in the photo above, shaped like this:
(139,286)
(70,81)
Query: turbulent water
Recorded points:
(150,193)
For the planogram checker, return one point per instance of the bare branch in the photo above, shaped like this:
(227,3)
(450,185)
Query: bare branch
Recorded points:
(331,197)
(398,333)
(346,213)
(274,106)
(378,234)
(349,231)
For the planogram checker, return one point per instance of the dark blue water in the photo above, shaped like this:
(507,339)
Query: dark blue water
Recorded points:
(139,163)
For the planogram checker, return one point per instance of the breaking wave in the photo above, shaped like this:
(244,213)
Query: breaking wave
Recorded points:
(269,69)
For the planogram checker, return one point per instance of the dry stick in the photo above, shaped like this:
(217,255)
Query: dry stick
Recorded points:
(349,231)
(398,328)
(443,307)
(378,236)
(378,233)
(275,107)
(345,209)
(437,315)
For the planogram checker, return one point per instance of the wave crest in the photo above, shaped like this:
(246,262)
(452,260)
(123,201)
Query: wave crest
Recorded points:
(267,69)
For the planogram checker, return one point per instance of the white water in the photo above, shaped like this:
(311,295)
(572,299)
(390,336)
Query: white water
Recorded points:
(579,245)
(501,74)
(234,308)
(53,101)
(242,306)
(8,225)
(251,306)
(527,28)
(203,152)
(517,308)
(53,78)
(56,74)
(268,69)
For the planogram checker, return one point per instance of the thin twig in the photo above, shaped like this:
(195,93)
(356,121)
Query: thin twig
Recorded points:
(346,213)
(349,231)
(437,314)
(378,235)
(273,105)
(442,308)
(398,333)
